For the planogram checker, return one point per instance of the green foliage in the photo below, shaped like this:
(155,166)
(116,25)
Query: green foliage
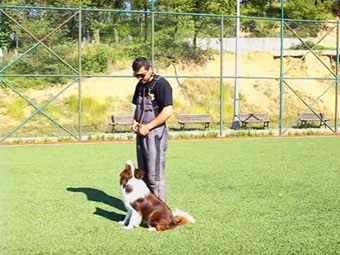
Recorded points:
(193,135)
(260,8)
(336,8)
(16,108)
(308,45)
(251,133)
(54,111)
(93,111)
(261,28)
(118,35)
(96,59)
(203,96)
(303,29)
(134,50)
(307,10)
(295,10)
(114,28)
(170,52)
(40,61)
(72,103)
(197,6)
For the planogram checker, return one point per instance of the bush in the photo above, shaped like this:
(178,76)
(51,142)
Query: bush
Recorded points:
(93,111)
(97,58)
(308,45)
(202,96)
(169,51)
(16,109)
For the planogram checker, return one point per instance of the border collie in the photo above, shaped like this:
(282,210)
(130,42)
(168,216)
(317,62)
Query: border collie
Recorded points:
(144,206)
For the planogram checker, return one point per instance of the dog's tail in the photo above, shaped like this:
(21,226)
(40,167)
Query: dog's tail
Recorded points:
(183,218)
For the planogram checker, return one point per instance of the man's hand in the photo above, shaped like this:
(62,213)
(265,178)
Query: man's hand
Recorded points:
(135,127)
(143,129)
(140,129)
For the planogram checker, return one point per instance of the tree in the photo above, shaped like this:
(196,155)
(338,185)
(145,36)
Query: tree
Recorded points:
(201,22)
(336,8)
(307,10)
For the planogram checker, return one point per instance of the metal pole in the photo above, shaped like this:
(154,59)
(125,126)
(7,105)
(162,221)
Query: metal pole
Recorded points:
(337,78)
(281,71)
(80,110)
(236,122)
(221,79)
(1,63)
(153,31)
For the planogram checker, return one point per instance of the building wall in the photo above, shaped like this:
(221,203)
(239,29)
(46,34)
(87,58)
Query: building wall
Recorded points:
(249,44)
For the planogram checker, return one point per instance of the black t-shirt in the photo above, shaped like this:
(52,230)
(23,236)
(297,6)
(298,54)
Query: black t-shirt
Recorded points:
(161,89)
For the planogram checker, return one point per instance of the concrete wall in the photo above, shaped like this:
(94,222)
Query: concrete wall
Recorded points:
(249,44)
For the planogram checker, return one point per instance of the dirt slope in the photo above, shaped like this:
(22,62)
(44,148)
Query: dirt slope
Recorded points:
(260,93)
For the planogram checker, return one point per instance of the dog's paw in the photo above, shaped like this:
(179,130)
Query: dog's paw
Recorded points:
(152,229)
(121,222)
(128,227)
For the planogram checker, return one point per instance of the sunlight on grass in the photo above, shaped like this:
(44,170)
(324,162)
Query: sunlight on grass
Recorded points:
(248,196)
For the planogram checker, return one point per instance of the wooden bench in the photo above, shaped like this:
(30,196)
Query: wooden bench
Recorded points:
(307,117)
(115,120)
(194,118)
(246,118)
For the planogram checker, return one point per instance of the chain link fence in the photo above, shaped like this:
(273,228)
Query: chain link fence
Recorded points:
(65,70)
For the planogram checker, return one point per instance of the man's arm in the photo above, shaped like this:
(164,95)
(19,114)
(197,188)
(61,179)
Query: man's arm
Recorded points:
(161,118)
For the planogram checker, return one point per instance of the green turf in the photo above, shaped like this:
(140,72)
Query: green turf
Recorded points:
(249,196)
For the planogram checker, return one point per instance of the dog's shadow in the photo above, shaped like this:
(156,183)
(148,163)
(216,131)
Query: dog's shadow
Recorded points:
(100,196)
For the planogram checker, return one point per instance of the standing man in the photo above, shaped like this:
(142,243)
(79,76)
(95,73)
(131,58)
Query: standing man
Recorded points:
(14,41)
(153,100)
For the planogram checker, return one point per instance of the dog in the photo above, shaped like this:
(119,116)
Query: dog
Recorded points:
(144,206)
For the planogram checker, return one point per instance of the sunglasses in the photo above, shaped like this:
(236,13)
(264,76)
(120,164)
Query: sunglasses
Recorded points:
(140,75)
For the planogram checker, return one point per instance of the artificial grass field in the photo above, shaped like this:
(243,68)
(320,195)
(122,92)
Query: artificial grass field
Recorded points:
(248,196)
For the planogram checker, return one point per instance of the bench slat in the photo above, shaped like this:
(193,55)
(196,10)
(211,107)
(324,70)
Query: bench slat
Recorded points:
(305,117)
(193,118)
(246,118)
(115,120)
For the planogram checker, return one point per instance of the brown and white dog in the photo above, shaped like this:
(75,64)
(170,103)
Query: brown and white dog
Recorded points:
(143,206)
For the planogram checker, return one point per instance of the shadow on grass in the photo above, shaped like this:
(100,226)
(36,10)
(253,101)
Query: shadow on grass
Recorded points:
(100,196)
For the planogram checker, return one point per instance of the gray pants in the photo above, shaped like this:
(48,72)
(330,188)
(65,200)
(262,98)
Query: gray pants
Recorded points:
(151,158)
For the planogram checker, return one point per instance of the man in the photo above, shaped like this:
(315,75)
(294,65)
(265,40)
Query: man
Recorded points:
(153,100)
(14,41)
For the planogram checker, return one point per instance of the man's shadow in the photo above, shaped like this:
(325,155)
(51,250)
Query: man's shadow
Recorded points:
(100,196)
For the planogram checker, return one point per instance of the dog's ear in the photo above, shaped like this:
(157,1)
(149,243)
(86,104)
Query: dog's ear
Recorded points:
(139,174)
(125,175)
(123,182)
